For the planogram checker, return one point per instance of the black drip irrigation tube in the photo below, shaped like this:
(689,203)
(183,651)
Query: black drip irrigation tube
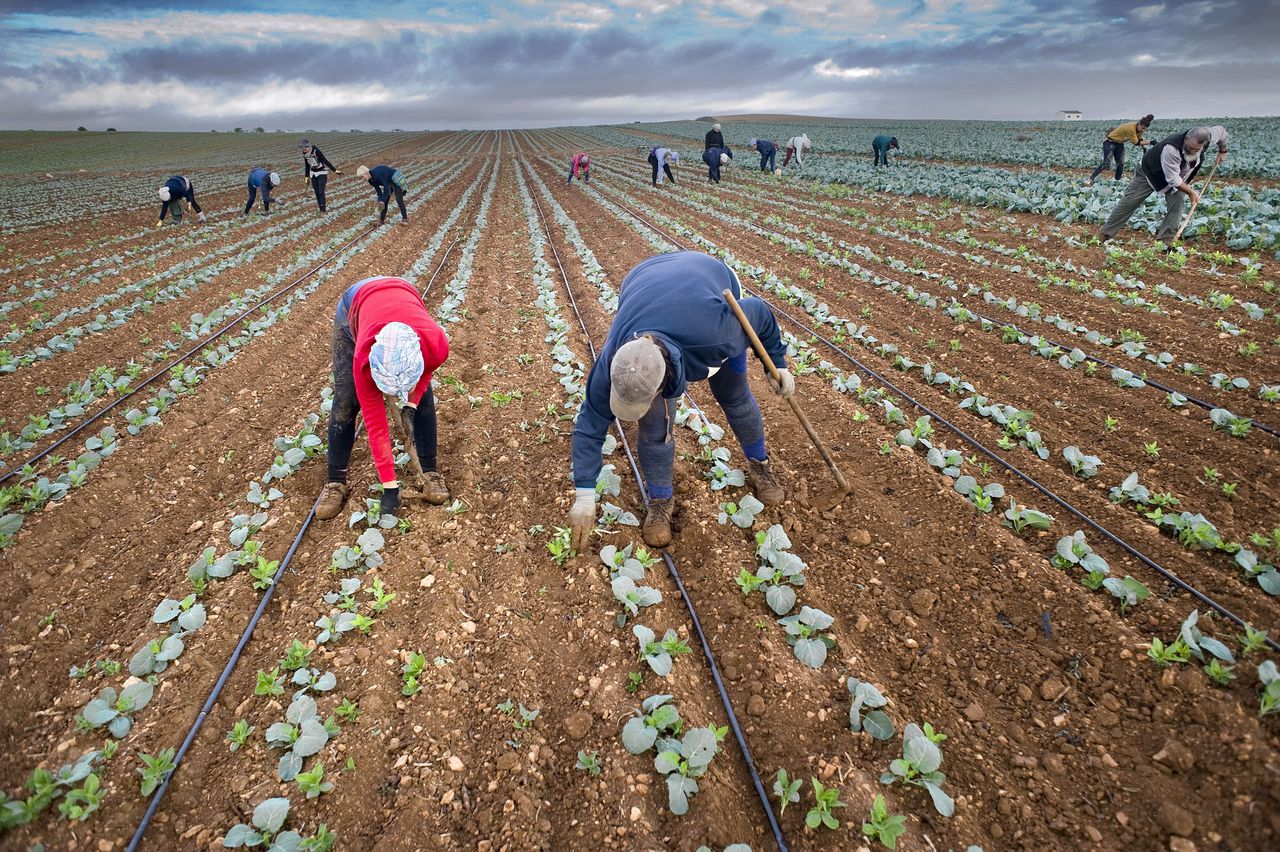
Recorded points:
(738,735)
(84,424)
(218,686)
(1160,386)
(1129,549)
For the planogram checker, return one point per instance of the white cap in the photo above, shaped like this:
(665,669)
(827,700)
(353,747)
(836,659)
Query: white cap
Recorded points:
(635,377)
(715,126)
(362,171)
(275,178)
(164,193)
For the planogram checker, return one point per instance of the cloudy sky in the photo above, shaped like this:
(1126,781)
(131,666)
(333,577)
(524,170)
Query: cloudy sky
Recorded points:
(174,64)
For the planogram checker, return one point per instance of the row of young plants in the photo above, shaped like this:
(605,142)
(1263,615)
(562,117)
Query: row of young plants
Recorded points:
(151,290)
(80,784)
(1220,418)
(778,574)
(34,490)
(1132,344)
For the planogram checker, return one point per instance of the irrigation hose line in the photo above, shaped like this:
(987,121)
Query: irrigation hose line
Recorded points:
(1169,576)
(214,694)
(738,735)
(1159,386)
(188,354)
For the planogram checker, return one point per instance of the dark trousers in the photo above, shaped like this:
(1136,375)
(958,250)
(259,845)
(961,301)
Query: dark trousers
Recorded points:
(1110,150)
(586,176)
(666,169)
(174,204)
(342,416)
(253,195)
(318,183)
(399,194)
(790,153)
(879,156)
(768,159)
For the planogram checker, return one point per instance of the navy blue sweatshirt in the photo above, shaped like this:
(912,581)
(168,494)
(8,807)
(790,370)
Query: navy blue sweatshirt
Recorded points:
(380,180)
(677,299)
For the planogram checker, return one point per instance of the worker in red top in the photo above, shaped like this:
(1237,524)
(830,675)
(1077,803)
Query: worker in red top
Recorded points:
(580,162)
(385,347)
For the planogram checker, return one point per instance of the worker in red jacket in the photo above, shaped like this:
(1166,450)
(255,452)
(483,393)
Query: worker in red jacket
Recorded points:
(385,347)
(581,162)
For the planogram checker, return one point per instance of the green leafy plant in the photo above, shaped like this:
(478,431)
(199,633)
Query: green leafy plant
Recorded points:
(410,673)
(684,761)
(826,800)
(1269,700)
(882,825)
(558,545)
(806,637)
(155,769)
(268,819)
(1166,655)
(589,762)
(786,789)
(918,766)
(80,802)
(659,654)
(238,736)
(874,720)
(348,710)
(1252,641)
(312,781)
(655,718)
(116,710)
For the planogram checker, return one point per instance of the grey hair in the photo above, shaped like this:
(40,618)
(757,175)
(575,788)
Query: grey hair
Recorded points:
(1200,135)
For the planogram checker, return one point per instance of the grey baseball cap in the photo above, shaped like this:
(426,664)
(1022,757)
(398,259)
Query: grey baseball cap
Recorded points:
(635,377)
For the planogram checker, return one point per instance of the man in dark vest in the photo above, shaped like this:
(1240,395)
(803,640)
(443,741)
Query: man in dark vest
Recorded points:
(1168,168)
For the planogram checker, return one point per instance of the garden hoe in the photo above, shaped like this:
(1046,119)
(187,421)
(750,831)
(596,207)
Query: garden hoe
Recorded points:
(833,500)
(1192,211)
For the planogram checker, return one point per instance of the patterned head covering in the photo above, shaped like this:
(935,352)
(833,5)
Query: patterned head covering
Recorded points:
(395,360)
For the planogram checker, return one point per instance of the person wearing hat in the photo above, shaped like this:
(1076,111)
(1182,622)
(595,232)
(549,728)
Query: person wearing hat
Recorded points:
(715,158)
(316,168)
(1113,145)
(580,162)
(673,327)
(768,153)
(796,146)
(261,179)
(666,158)
(386,181)
(176,190)
(713,139)
(880,149)
(385,349)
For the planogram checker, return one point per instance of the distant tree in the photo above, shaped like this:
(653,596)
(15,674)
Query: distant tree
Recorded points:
(239,130)
(82,129)
(258,130)
(213,131)
(111,130)
(354,130)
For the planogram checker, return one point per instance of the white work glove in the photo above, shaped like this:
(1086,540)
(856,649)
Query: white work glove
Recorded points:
(786,384)
(582,518)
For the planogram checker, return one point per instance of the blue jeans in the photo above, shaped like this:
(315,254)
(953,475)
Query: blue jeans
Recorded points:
(767,160)
(1111,151)
(657,448)
(880,155)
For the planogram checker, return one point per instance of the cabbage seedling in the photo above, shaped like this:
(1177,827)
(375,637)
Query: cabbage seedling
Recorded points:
(882,825)
(1198,643)
(1269,701)
(683,763)
(723,476)
(589,762)
(787,789)
(116,711)
(268,819)
(156,655)
(826,800)
(632,597)
(312,782)
(741,514)
(189,615)
(84,800)
(238,736)
(1083,466)
(302,734)
(806,637)
(1129,592)
(314,680)
(1021,518)
(918,765)
(654,718)
(621,563)
(155,769)
(659,654)
(1264,572)
(981,497)
(875,721)
(1166,655)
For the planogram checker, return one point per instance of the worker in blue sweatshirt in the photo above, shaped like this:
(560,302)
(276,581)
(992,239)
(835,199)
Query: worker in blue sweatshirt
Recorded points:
(261,179)
(880,147)
(673,327)
(768,154)
(715,158)
(386,182)
(176,190)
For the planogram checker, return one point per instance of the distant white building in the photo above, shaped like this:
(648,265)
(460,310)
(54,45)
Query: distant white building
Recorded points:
(1070,115)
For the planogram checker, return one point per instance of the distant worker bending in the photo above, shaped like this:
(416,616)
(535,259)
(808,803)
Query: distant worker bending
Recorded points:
(261,180)
(715,158)
(796,147)
(176,190)
(880,147)
(768,153)
(580,163)
(1113,145)
(664,158)
(1168,168)
(386,182)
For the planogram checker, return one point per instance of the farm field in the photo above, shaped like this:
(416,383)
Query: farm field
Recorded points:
(1053,581)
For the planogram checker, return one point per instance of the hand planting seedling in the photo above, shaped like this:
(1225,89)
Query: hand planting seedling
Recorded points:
(882,825)
(559,545)
(786,789)
(874,721)
(659,655)
(918,766)
(655,718)
(806,637)
(826,800)
(116,710)
(683,762)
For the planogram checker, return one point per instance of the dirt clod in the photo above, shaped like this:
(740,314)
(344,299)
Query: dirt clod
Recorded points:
(576,725)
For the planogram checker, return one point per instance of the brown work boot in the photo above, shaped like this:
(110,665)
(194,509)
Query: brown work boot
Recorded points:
(657,522)
(433,487)
(333,498)
(764,483)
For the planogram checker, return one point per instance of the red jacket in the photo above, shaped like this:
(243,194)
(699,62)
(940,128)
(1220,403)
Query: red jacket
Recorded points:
(578,164)
(377,303)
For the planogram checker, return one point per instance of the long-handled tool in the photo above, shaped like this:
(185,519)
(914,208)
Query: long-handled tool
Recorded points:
(835,499)
(1190,213)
